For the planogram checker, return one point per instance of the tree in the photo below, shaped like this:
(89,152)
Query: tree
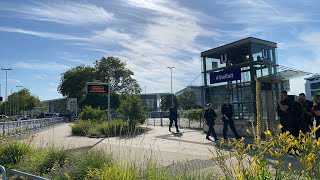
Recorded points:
(132,109)
(187,99)
(120,77)
(73,81)
(166,102)
(24,99)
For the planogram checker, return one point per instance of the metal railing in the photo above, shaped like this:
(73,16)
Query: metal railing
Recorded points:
(15,127)
(12,172)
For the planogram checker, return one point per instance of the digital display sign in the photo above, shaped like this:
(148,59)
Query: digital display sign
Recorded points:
(97,88)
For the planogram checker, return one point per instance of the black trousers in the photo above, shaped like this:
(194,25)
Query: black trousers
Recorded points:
(229,122)
(175,123)
(211,131)
(317,132)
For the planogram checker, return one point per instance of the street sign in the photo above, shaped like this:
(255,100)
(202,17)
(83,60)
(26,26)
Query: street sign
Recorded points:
(97,88)
(226,75)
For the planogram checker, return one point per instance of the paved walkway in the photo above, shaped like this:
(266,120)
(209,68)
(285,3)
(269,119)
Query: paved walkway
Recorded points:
(186,150)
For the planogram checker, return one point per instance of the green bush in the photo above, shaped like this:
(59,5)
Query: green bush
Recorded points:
(115,128)
(81,128)
(41,161)
(12,151)
(193,114)
(133,110)
(88,161)
(89,113)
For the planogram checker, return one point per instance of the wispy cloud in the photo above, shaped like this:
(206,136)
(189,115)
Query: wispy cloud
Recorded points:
(51,66)
(65,12)
(40,76)
(41,34)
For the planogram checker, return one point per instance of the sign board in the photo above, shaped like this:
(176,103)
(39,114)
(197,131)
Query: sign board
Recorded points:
(224,76)
(97,88)
(72,104)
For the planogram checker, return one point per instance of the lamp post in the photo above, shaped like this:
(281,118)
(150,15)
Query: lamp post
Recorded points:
(19,99)
(6,69)
(171,83)
(145,89)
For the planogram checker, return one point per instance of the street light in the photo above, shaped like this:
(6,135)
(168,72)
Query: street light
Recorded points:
(145,89)
(171,83)
(6,69)
(19,99)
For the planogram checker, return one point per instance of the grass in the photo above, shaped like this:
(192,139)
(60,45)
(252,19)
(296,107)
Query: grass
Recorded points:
(98,129)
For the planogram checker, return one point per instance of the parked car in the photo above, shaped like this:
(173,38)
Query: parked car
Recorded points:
(3,117)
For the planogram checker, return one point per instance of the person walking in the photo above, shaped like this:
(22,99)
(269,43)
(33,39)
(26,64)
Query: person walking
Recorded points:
(173,116)
(316,112)
(227,113)
(210,115)
(308,116)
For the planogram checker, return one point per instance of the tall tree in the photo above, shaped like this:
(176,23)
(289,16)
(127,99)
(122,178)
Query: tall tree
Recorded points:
(166,102)
(120,77)
(73,81)
(187,99)
(24,99)
(132,109)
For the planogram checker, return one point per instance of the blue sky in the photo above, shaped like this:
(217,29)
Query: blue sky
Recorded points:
(42,39)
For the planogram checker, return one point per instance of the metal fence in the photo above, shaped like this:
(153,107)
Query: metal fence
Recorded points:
(6,175)
(15,127)
(162,119)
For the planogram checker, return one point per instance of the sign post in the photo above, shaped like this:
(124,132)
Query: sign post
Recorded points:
(100,88)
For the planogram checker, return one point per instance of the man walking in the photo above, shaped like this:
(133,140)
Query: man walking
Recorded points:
(210,116)
(173,116)
(227,113)
(308,117)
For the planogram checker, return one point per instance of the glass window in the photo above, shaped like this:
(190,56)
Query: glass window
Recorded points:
(315,85)
(261,52)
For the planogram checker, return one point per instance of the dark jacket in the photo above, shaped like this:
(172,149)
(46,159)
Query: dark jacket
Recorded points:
(210,116)
(226,109)
(173,113)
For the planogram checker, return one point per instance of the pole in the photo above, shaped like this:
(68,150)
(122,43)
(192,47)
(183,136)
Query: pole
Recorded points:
(10,112)
(109,99)
(6,69)
(171,88)
(171,84)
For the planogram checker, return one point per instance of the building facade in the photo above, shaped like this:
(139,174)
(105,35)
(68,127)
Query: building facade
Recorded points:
(152,101)
(312,86)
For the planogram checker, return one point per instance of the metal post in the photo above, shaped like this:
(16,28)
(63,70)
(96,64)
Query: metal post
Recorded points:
(171,83)
(6,69)
(109,99)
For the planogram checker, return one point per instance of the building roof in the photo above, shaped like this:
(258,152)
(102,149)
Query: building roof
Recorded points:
(247,40)
(315,76)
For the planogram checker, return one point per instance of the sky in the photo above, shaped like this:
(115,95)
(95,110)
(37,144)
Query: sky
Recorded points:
(42,39)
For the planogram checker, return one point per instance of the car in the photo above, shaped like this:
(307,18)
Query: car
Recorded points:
(3,117)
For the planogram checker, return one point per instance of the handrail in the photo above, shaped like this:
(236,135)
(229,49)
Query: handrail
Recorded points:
(3,172)
(20,173)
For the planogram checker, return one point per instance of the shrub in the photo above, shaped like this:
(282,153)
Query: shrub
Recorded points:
(85,162)
(12,151)
(89,113)
(116,127)
(81,128)
(193,114)
(132,110)
(41,161)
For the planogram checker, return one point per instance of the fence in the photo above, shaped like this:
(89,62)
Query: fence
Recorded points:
(6,175)
(14,127)
(162,119)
